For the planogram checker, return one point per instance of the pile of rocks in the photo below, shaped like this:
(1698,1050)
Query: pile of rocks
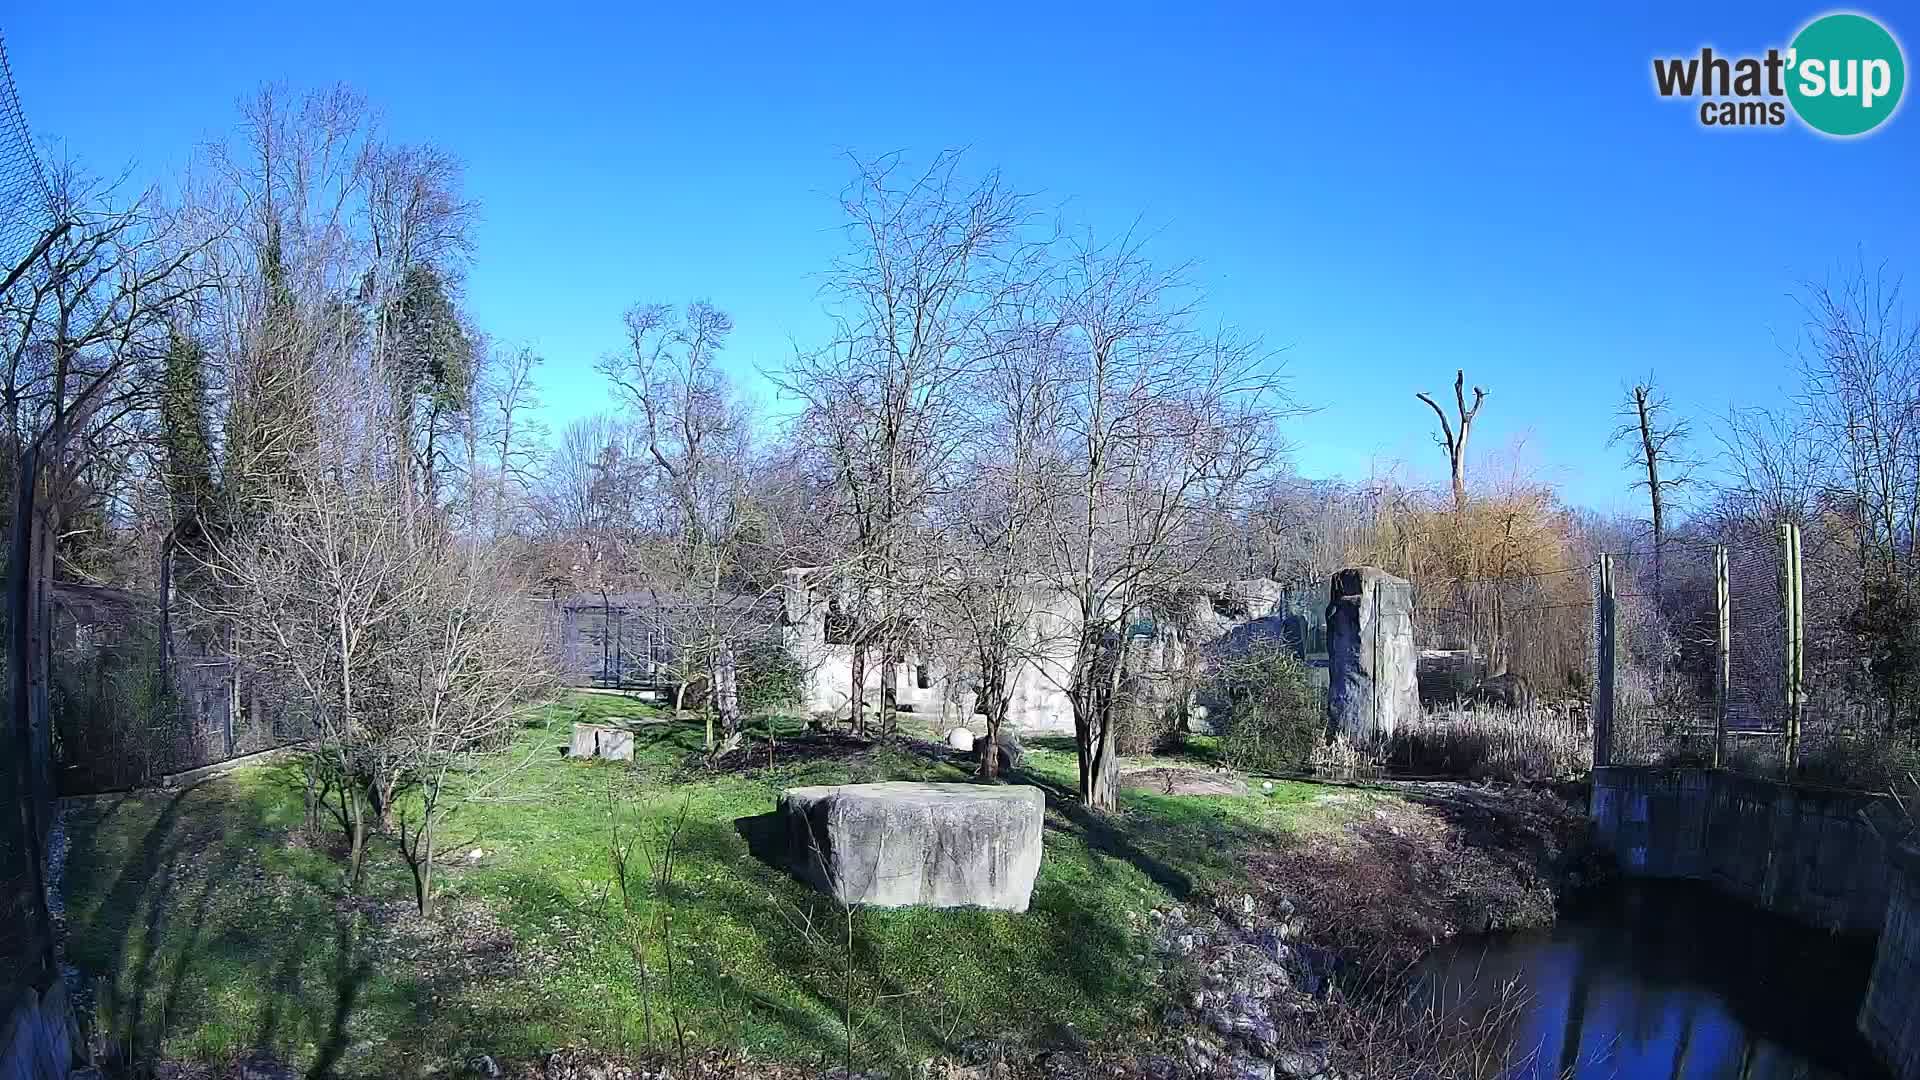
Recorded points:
(1247,984)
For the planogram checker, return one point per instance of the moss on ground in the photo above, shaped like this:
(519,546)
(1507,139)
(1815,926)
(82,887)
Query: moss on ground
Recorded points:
(228,931)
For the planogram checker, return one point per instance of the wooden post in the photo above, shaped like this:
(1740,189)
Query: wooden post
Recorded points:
(1723,655)
(1603,691)
(1790,601)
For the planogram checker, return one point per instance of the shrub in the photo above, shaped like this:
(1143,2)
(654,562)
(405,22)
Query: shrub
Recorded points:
(769,678)
(1864,761)
(1492,744)
(1272,714)
(1146,719)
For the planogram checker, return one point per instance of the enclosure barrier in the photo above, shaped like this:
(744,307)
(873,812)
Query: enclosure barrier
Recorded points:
(1741,656)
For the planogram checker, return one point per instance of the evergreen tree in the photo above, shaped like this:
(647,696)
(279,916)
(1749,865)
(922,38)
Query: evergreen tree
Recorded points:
(431,364)
(184,428)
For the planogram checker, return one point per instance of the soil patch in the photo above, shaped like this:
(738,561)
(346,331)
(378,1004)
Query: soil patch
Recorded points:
(1165,780)
(1442,859)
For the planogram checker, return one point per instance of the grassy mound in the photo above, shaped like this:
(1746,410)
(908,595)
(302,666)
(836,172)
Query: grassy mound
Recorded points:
(226,931)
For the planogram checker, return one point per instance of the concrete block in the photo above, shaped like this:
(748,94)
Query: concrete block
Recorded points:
(903,844)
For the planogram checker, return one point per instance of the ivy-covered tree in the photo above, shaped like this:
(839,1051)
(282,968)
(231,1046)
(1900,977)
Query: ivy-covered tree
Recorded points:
(185,431)
(430,361)
(269,414)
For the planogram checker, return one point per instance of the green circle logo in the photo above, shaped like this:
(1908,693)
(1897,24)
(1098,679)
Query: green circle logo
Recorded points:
(1845,74)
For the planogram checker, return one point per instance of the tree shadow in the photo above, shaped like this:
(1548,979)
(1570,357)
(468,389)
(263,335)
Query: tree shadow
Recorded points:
(181,913)
(1104,835)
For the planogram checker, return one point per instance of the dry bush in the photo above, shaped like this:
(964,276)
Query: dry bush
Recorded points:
(1492,744)
(1429,1032)
(1863,761)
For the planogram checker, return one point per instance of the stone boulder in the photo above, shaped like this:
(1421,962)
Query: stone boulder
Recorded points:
(1011,752)
(601,741)
(901,844)
(1372,664)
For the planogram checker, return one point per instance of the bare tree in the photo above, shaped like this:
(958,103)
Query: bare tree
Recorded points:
(1659,457)
(932,260)
(1454,443)
(311,589)
(1160,424)
(687,411)
(1860,371)
(987,588)
(88,309)
(696,435)
(463,666)
(506,425)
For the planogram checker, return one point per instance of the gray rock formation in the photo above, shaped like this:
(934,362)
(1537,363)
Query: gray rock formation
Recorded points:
(1011,752)
(1372,663)
(900,844)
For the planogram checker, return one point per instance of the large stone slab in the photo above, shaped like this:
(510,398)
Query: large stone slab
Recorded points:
(601,741)
(1372,665)
(900,844)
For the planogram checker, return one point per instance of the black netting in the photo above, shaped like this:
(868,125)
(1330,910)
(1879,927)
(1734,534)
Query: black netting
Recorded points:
(26,786)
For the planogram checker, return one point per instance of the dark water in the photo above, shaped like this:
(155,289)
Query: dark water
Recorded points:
(1671,980)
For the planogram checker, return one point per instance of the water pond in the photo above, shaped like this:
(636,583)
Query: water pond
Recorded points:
(1667,980)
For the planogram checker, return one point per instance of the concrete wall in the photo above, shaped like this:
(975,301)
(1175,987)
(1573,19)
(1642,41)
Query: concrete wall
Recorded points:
(1890,1016)
(37,1042)
(1804,853)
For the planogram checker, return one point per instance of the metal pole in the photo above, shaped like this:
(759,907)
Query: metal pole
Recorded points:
(1603,693)
(1723,656)
(1796,650)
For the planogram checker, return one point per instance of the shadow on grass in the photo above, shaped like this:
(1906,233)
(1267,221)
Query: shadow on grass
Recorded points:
(918,979)
(228,932)
(170,912)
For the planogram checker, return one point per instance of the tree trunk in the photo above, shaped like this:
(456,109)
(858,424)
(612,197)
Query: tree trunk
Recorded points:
(380,794)
(356,835)
(46,529)
(726,695)
(30,778)
(889,687)
(1651,453)
(165,672)
(423,872)
(1097,788)
(996,713)
(857,703)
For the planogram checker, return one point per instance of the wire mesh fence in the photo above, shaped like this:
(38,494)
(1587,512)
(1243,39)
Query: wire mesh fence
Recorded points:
(26,786)
(118,724)
(1745,655)
(1666,642)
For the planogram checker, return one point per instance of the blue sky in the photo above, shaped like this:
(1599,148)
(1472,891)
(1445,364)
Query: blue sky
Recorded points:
(1388,192)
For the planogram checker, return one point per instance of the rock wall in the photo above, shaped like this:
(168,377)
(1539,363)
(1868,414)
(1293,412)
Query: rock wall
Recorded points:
(1890,1016)
(1371,661)
(930,685)
(39,1039)
(1809,854)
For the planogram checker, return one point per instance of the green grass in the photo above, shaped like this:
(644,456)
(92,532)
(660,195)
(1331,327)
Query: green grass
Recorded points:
(228,932)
